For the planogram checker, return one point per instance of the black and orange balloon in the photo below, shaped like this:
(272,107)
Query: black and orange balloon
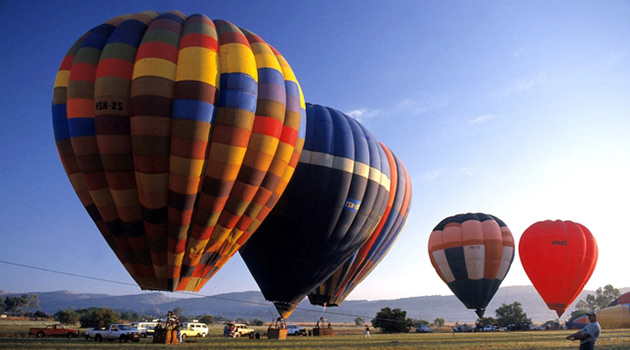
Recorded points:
(178,134)
(472,253)
(559,257)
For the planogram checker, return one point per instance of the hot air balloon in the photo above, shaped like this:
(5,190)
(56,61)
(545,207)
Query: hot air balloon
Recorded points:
(617,316)
(578,323)
(623,299)
(559,257)
(333,202)
(174,132)
(338,286)
(472,253)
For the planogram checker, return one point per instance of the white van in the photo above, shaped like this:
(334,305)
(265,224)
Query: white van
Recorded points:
(194,329)
(145,328)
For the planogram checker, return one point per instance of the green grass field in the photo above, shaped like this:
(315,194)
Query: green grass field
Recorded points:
(14,336)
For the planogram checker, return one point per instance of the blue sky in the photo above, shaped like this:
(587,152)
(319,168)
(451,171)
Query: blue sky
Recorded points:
(516,109)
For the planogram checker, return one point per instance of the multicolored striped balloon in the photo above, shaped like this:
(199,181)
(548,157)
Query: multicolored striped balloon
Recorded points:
(472,253)
(343,281)
(178,134)
(333,203)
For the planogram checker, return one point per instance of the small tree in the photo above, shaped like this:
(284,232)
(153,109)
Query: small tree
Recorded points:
(438,322)
(99,317)
(257,322)
(21,305)
(511,314)
(418,323)
(207,319)
(67,316)
(392,321)
(41,314)
(359,321)
(130,316)
(602,298)
(485,321)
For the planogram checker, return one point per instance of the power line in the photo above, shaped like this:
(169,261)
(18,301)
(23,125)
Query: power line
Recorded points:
(180,292)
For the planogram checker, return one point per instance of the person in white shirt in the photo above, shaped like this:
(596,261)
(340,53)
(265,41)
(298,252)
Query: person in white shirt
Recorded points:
(589,334)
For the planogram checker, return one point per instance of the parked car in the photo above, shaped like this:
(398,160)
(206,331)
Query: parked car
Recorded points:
(424,329)
(122,332)
(54,330)
(146,329)
(490,328)
(240,330)
(462,328)
(294,329)
(194,329)
(525,326)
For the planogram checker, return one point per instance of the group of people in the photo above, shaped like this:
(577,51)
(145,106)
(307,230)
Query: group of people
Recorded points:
(172,324)
(229,330)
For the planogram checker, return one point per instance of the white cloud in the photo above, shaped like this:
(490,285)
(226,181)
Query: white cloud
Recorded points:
(481,119)
(411,106)
(363,114)
(520,85)
(429,175)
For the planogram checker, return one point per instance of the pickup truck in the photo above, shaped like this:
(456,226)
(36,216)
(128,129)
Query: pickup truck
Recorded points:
(54,330)
(122,332)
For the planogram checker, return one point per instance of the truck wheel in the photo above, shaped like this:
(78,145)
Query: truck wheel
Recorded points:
(98,338)
(41,334)
(183,337)
(123,338)
(70,335)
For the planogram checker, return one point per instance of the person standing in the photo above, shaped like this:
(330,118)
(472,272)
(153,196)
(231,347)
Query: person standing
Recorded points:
(589,334)
(178,329)
(367,331)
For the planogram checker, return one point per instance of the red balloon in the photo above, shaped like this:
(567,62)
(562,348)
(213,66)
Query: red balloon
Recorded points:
(559,257)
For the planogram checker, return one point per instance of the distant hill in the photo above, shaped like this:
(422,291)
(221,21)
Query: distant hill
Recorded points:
(250,305)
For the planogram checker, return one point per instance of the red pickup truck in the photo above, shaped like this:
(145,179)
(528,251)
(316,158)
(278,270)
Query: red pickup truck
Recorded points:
(55,330)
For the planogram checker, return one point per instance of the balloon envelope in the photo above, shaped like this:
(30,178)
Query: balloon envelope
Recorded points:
(333,202)
(338,286)
(617,316)
(623,299)
(559,257)
(472,253)
(174,132)
(578,323)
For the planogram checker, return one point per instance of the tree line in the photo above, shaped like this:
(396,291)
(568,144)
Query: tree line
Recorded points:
(24,305)
(396,321)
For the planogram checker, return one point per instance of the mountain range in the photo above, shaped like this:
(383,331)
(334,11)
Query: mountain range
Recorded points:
(250,305)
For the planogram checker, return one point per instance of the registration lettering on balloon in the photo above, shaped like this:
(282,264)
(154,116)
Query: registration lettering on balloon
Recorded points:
(353,204)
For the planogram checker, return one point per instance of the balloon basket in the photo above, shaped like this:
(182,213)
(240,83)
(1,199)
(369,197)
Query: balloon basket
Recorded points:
(165,336)
(323,332)
(277,333)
